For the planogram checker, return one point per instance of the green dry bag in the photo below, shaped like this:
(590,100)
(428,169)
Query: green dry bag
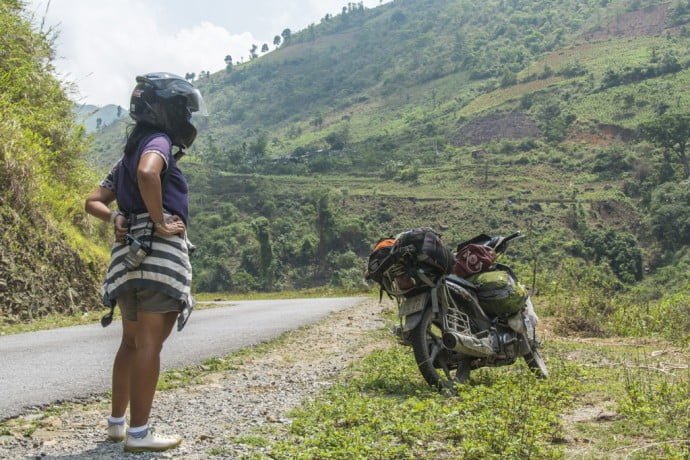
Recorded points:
(499,293)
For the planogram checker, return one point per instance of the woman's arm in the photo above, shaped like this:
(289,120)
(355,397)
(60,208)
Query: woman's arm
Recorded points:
(149,180)
(97,205)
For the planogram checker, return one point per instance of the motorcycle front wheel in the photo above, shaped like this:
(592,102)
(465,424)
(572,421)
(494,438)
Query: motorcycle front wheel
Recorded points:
(440,367)
(536,364)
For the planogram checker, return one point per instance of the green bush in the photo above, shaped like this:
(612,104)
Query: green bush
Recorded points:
(617,248)
(669,214)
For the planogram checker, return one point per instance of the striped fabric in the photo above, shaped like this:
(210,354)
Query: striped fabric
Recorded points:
(166,270)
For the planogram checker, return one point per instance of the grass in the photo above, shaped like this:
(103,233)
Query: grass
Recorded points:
(385,410)
(637,397)
(446,181)
(52,321)
(607,106)
(252,440)
(596,59)
(603,400)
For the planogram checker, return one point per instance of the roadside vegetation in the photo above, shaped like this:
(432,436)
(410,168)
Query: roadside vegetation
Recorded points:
(48,259)
(604,399)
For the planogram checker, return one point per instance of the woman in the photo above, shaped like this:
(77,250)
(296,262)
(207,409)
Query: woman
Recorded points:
(149,276)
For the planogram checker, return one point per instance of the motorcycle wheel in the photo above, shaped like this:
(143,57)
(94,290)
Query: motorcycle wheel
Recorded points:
(440,367)
(536,364)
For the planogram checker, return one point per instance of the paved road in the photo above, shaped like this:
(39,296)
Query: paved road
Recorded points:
(39,368)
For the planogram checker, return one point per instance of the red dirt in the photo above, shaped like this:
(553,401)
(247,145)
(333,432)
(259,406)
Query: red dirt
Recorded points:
(604,135)
(647,21)
(496,127)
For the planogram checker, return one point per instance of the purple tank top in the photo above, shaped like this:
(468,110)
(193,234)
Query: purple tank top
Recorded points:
(124,179)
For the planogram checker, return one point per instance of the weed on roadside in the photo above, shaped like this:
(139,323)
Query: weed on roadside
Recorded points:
(657,404)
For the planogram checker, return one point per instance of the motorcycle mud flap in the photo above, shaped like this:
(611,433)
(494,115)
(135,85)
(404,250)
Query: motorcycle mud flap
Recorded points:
(413,304)
(517,323)
(412,321)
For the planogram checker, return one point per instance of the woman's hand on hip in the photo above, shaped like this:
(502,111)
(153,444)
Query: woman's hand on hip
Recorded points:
(121,224)
(172,226)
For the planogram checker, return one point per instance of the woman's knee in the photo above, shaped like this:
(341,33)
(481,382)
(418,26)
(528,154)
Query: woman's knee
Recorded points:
(149,341)
(129,335)
(128,343)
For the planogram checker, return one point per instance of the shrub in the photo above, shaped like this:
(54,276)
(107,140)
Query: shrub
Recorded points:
(669,214)
(616,248)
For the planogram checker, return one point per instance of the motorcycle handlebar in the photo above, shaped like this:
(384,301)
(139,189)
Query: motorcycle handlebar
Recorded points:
(498,243)
(502,242)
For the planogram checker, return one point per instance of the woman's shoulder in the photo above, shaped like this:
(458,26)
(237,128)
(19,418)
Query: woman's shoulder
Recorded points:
(157,141)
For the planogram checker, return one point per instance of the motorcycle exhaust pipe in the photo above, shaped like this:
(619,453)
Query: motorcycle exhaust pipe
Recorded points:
(468,345)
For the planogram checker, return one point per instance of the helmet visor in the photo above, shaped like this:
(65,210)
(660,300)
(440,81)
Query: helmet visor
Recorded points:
(196,103)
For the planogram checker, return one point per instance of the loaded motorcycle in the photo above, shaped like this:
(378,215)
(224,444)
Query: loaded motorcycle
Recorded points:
(454,323)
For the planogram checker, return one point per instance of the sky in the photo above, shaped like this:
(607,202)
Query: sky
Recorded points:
(102,46)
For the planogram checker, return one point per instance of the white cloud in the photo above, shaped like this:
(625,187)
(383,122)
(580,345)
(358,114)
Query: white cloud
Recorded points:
(104,45)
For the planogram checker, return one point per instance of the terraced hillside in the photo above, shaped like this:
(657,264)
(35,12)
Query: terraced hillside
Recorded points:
(467,117)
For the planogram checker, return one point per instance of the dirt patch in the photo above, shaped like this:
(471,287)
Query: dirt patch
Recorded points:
(578,327)
(603,135)
(579,445)
(647,21)
(617,133)
(616,214)
(496,127)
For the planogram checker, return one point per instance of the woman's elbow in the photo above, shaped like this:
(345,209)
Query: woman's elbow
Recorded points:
(90,204)
(147,176)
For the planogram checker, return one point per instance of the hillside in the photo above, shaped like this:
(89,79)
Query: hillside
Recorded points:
(468,117)
(42,184)
(94,118)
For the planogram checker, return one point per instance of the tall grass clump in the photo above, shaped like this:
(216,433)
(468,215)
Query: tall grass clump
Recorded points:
(657,403)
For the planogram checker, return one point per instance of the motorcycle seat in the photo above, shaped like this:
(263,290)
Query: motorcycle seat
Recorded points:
(461,281)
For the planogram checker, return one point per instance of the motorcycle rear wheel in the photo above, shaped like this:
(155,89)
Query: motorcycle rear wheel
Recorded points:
(440,367)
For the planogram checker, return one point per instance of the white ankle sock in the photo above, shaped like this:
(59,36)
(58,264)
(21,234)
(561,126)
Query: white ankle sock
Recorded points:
(138,430)
(116,420)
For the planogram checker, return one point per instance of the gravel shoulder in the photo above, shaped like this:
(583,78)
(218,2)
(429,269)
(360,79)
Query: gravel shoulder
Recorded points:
(215,414)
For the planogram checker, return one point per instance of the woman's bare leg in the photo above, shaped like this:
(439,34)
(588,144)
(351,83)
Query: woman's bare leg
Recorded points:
(152,330)
(122,368)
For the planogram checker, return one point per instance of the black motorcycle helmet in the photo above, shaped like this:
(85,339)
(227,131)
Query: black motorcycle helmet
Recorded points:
(166,101)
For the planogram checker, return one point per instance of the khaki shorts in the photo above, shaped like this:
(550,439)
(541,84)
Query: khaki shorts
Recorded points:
(150,301)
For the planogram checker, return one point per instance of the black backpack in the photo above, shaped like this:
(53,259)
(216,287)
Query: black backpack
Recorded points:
(424,246)
(399,260)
